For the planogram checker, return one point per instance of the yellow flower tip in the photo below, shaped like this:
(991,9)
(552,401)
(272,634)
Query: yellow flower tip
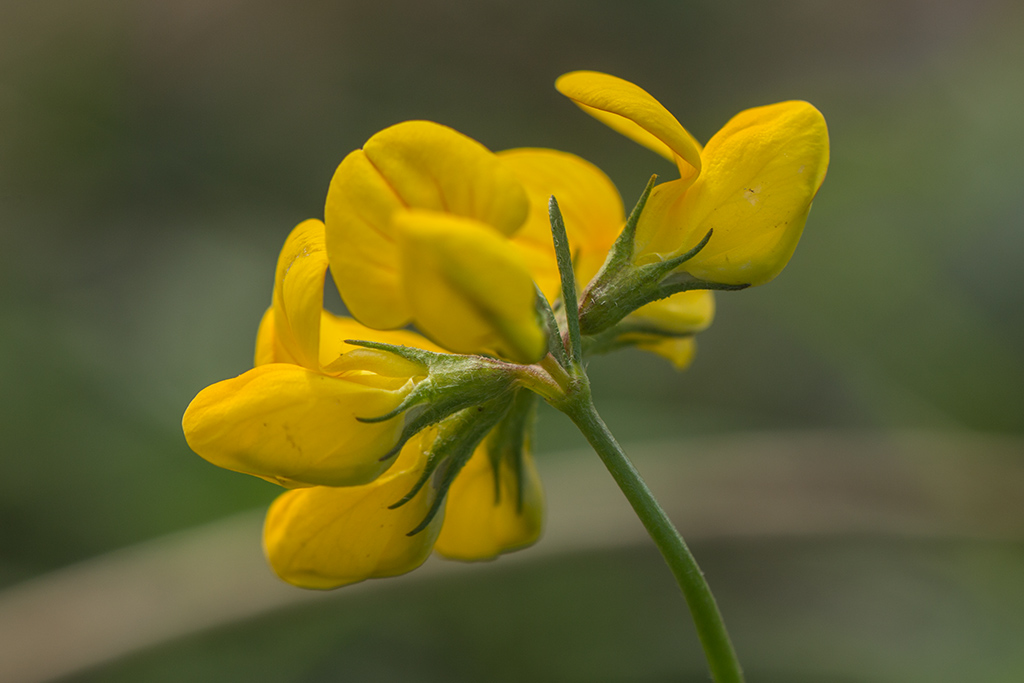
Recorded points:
(480,525)
(283,422)
(468,291)
(326,537)
(679,314)
(679,351)
(633,112)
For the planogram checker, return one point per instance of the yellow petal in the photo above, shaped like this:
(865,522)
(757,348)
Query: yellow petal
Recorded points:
(334,330)
(414,164)
(376,369)
(761,172)
(299,294)
(589,203)
(290,329)
(632,111)
(433,167)
(682,313)
(325,537)
(469,291)
(284,422)
(481,521)
(360,243)
(677,350)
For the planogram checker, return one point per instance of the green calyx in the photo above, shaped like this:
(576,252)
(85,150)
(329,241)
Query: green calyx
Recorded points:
(453,383)
(621,286)
(510,440)
(505,422)
(457,438)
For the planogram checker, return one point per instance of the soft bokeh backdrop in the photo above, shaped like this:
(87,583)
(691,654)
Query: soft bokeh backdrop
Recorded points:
(154,154)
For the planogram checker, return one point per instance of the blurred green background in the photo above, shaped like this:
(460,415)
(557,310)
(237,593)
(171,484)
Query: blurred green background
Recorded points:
(154,154)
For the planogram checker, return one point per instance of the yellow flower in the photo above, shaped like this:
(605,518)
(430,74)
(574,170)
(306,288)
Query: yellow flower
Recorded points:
(292,419)
(418,223)
(752,184)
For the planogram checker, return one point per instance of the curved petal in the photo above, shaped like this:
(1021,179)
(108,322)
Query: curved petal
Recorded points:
(414,164)
(434,167)
(283,422)
(325,537)
(630,110)
(682,313)
(468,290)
(299,293)
(482,519)
(360,243)
(590,205)
(761,173)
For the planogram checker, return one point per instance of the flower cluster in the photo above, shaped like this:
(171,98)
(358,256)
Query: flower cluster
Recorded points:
(393,443)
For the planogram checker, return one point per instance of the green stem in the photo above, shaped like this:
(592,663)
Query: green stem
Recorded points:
(573,398)
(718,649)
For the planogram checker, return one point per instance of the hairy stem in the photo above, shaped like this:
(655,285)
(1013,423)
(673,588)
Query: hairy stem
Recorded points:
(718,649)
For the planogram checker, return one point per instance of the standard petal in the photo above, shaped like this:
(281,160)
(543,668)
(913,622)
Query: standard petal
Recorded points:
(281,421)
(590,205)
(679,314)
(433,167)
(630,110)
(469,291)
(361,245)
(299,294)
(761,172)
(325,537)
(414,164)
(484,519)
